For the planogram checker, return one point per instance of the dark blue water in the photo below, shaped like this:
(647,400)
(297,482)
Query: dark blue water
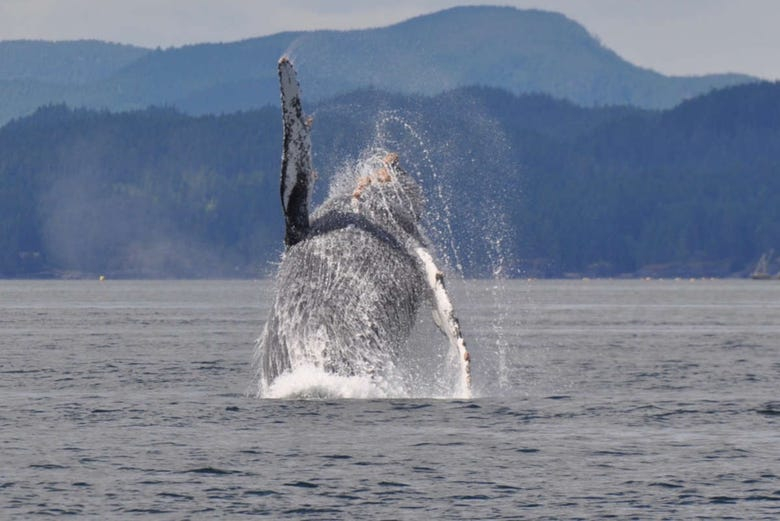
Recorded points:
(599,399)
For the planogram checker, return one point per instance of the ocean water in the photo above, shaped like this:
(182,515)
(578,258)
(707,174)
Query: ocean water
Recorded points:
(594,400)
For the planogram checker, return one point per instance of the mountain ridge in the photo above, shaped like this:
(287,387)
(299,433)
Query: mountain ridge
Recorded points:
(519,50)
(64,62)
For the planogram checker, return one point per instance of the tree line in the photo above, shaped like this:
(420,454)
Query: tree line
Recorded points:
(529,185)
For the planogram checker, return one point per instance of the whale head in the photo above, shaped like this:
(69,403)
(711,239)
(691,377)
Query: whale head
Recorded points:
(386,191)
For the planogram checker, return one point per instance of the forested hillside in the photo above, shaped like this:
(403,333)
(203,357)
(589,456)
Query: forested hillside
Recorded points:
(150,193)
(537,185)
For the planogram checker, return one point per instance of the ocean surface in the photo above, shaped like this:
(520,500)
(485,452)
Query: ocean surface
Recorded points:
(594,400)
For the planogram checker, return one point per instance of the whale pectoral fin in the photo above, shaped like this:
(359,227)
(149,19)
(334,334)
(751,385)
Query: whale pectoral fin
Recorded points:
(297,177)
(437,320)
(444,314)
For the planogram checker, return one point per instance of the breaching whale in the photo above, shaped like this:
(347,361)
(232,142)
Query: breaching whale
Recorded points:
(354,272)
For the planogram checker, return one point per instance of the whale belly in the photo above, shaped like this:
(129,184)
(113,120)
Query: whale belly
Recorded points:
(346,301)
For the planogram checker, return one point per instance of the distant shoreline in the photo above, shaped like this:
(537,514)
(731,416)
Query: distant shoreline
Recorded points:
(566,277)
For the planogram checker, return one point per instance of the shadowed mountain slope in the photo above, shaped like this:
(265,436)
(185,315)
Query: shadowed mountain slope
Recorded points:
(522,51)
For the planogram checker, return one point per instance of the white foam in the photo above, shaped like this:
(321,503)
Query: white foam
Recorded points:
(310,382)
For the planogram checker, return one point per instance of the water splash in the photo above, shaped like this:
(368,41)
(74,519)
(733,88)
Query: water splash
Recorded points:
(416,152)
(486,234)
(349,294)
(309,382)
(425,365)
(498,294)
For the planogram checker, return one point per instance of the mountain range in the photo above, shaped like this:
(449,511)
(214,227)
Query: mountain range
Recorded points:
(521,51)
(542,152)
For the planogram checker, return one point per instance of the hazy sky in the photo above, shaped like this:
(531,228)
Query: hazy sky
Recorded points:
(671,36)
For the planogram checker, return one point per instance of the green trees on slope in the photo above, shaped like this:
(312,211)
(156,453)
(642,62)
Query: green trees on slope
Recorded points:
(599,191)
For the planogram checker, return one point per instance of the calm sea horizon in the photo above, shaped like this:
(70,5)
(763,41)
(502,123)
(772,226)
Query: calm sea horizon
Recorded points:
(631,399)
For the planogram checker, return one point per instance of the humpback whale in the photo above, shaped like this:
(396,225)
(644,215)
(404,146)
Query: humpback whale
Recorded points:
(355,271)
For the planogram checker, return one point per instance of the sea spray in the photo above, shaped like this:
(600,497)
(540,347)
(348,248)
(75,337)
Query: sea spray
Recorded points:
(415,145)
(405,375)
(487,234)
(309,382)
(311,344)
